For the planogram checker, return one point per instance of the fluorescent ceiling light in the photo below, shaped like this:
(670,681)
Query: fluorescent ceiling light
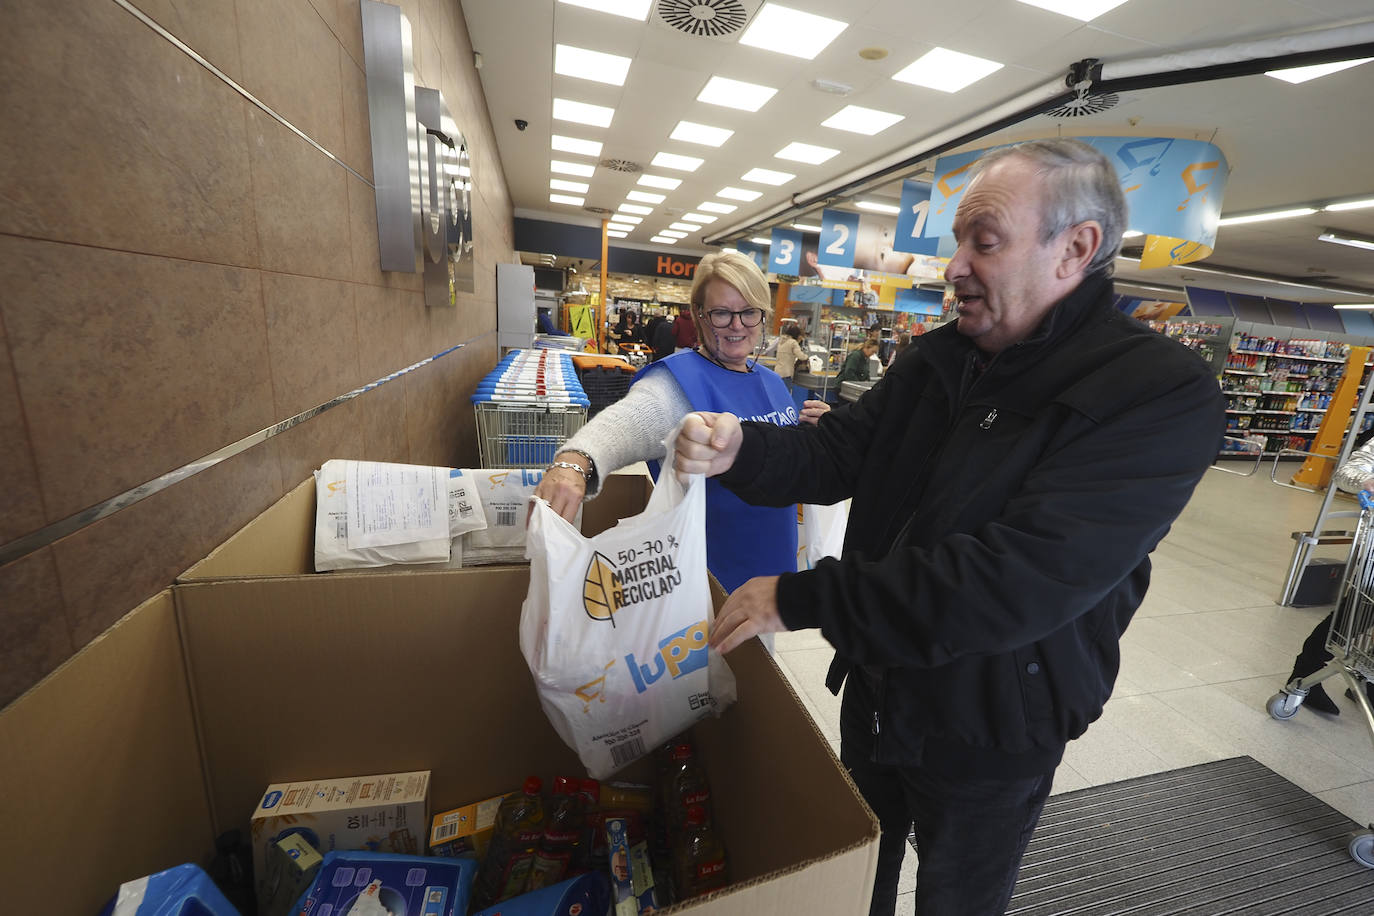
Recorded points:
(558,184)
(627,218)
(582,113)
(580,169)
(788,31)
(805,152)
(616,234)
(619,226)
(877,207)
(1351,205)
(806,227)
(767,176)
(737,194)
(645,197)
(630,9)
(654,181)
(1132,234)
(685,227)
(1303,74)
(729,249)
(1354,306)
(691,132)
(635,208)
(590,65)
(868,121)
(1263,217)
(672,233)
(735,94)
(1340,239)
(700,217)
(946,70)
(711,206)
(760,240)
(679,163)
(566,199)
(663,240)
(574,145)
(1085,10)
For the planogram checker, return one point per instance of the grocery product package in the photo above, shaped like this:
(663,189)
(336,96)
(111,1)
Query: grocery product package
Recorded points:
(505,494)
(386,884)
(614,627)
(586,895)
(370,513)
(181,891)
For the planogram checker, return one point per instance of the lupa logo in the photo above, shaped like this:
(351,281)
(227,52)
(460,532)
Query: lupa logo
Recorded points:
(640,575)
(678,653)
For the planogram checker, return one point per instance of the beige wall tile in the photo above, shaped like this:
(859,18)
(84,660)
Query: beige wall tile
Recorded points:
(312,339)
(208,27)
(392,330)
(357,151)
(433,410)
(32,617)
(139,148)
(362,240)
(383,412)
(350,29)
(336,433)
(18,477)
(129,366)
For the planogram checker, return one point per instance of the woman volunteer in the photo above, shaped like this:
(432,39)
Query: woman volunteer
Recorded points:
(729,302)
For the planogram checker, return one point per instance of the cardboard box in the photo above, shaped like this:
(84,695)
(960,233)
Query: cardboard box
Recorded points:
(160,734)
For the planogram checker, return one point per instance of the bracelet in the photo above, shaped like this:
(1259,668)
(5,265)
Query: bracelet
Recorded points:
(586,475)
(590,471)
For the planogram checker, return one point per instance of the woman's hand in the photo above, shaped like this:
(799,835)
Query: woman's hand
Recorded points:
(812,411)
(563,489)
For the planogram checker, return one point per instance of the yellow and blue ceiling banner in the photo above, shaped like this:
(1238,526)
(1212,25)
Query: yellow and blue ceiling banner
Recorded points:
(1173,187)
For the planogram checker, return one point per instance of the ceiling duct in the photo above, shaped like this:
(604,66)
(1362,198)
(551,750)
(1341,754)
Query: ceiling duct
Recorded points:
(621,165)
(718,19)
(1085,103)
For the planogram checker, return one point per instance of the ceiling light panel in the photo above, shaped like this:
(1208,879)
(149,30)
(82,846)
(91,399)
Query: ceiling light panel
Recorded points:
(735,94)
(946,70)
(877,207)
(1342,239)
(1350,205)
(627,218)
(582,113)
(767,176)
(806,227)
(691,132)
(566,199)
(700,217)
(737,194)
(1265,217)
(676,162)
(574,145)
(685,227)
(1083,10)
(788,31)
(630,9)
(655,181)
(645,197)
(559,184)
(663,240)
(616,234)
(761,240)
(805,152)
(672,233)
(619,226)
(711,206)
(635,208)
(590,65)
(579,169)
(859,120)
(1303,74)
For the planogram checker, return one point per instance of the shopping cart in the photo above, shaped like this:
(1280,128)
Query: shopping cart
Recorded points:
(526,408)
(1351,643)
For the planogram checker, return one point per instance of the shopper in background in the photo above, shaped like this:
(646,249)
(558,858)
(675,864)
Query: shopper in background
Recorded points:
(855,368)
(790,354)
(1045,443)
(684,331)
(626,330)
(1354,475)
(903,341)
(729,302)
(658,334)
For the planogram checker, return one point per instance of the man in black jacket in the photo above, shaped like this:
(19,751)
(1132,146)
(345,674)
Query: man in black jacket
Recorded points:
(1010,474)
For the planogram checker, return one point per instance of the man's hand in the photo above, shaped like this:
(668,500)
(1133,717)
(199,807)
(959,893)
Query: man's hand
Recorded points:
(751,610)
(812,411)
(563,489)
(708,444)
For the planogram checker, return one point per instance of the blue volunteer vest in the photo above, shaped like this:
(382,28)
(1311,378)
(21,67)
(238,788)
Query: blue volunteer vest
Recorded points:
(742,541)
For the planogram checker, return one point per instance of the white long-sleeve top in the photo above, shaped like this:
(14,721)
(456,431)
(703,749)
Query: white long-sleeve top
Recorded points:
(633,428)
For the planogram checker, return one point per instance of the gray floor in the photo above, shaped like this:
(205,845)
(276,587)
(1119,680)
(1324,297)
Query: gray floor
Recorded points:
(1208,647)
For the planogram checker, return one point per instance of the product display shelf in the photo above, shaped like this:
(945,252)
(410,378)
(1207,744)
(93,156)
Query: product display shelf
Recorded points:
(1207,337)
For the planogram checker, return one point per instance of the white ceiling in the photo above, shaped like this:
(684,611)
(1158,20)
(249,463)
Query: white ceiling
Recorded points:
(1286,144)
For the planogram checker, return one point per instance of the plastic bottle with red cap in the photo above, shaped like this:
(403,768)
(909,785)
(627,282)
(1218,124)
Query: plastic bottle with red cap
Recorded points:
(515,839)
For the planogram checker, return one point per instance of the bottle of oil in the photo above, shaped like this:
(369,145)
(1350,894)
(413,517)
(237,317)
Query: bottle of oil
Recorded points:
(699,864)
(686,786)
(560,846)
(515,837)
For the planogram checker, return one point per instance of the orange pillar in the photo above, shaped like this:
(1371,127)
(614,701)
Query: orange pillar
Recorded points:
(599,313)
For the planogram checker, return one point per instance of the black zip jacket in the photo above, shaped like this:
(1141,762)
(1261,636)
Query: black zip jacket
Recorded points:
(1000,528)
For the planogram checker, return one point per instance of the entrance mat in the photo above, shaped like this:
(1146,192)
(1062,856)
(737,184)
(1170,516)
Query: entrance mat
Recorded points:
(1230,836)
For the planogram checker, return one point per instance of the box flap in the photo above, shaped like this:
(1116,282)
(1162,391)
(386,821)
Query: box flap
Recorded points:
(101,773)
(279,542)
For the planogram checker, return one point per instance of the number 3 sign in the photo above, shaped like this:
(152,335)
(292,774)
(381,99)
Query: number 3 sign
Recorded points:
(785,252)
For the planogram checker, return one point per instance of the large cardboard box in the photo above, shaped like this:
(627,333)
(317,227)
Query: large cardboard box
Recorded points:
(165,731)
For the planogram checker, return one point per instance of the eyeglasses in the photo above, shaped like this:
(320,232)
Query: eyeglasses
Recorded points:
(721,318)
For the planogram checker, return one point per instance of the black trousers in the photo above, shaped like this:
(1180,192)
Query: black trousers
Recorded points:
(970,832)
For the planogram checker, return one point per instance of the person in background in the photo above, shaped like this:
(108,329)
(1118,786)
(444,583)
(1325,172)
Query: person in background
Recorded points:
(729,303)
(903,341)
(626,330)
(1048,442)
(790,354)
(684,331)
(658,334)
(1354,475)
(855,368)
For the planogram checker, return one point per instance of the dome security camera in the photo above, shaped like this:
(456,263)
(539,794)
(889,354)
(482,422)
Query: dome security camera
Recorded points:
(521,123)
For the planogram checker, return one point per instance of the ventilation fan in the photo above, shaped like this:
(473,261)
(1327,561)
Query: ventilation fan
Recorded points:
(1084,104)
(620,165)
(706,18)
(599,211)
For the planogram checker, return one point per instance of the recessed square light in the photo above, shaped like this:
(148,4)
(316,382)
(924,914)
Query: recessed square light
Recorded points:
(700,217)
(685,227)
(946,70)
(590,65)
(559,184)
(711,206)
(580,169)
(616,234)
(805,152)
(582,113)
(877,207)
(619,226)
(654,181)
(858,120)
(663,240)
(691,132)
(788,31)
(627,218)
(645,197)
(672,233)
(630,9)
(674,161)
(767,176)
(566,199)
(574,145)
(635,208)
(1303,74)
(737,194)
(1085,10)
(735,94)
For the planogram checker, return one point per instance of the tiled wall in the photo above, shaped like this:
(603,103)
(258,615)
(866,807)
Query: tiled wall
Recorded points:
(178,270)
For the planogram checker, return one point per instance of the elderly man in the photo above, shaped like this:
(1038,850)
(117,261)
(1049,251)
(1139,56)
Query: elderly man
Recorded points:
(1040,447)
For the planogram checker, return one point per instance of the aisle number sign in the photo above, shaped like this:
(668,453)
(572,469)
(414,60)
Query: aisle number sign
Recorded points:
(839,238)
(911,221)
(785,253)
(752,251)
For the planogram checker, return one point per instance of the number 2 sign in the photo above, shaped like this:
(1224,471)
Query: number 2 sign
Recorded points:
(839,237)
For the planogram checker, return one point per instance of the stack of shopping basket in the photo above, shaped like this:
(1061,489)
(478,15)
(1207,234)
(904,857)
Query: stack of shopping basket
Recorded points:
(527,407)
(605,379)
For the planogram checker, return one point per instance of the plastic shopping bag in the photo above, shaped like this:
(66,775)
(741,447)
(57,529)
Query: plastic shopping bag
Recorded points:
(614,627)
(823,530)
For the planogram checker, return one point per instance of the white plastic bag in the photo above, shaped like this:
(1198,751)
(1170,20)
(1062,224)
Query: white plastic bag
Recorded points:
(614,627)
(823,530)
(505,494)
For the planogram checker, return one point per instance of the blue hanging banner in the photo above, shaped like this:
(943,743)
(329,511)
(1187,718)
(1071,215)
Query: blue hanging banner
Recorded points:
(785,254)
(839,238)
(911,234)
(753,251)
(920,301)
